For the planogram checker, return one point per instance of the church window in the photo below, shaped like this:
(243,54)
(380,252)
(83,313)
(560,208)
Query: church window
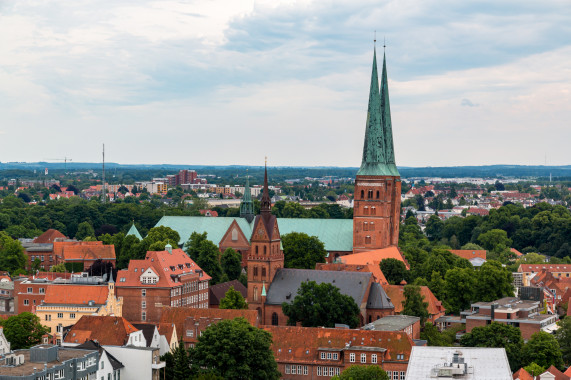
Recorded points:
(235,234)
(362,194)
(256,250)
(365,226)
(370,195)
(367,239)
(378,194)
(275,319)
(366,210)
(373,210)
(372,226)
(263,272)
(255,293)
(255,271)
(264,250)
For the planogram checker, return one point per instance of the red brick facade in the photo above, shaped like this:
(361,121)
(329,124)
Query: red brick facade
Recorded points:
(376,212)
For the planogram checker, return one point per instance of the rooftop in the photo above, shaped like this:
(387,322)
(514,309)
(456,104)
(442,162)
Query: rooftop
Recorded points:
(392,323)
(29,367)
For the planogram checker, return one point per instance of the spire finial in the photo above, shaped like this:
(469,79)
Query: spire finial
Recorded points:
(384,44)
(375,40)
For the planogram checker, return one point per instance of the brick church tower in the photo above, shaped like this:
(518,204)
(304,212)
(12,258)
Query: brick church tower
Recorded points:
(265,256)
(376,214)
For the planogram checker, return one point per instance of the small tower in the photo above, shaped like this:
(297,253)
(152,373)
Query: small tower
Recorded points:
(247,206)
(265,256)
(377,185)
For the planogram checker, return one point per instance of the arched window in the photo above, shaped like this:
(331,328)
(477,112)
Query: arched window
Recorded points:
(365,226)
(367,239)
(255,271)
(370,195)
(373,210)
(366,210)
(255,293)
(256,250)
(275,319)
(362,194)
(263,272)
(378,194)
(372,226)
(235,233)
(264,250)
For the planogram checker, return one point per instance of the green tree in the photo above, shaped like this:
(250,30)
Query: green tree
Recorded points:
(493,238)
(542,348)
(231,263)
(358,372)
(534,369)
(394,270)
(58,268)
(233,299)
(414,304)
(208,260)
(321,305)
(438,286)
(460,285)
(36,265)
(12,257)
(497,335)
(181,363)
(84,230)
(24,330)
(494,282)
(434,227)
(302,251)
(563,336)
(234,349)
(192,246)
(162,233)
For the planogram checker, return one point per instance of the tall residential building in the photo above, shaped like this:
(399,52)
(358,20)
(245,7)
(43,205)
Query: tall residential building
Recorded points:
(377,185)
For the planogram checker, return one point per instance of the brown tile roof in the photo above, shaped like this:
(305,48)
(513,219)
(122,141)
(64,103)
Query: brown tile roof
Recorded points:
(218,291)
(522,374)
(67,294)
(59,245)
(163,264)
(469,254)
(378,275)
(374,257)
(88,252)
(549,267)
(177,315)
(396,294)
(516,252)
(557,373)
(167,330)
(301,344)
(106,330)
(49,236)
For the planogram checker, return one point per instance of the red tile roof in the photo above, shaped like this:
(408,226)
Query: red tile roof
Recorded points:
(522,374)
(177,315)
(67,294)
(162,263)
(49,236)
(469,254)
(167,330)
(301,344)
(516,252)
(557,373)
(378,275)
(106,330)
(396,294)
(89,252)
(374,257)
(549,267)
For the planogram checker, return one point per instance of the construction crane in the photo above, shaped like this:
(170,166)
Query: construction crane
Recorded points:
(65,160)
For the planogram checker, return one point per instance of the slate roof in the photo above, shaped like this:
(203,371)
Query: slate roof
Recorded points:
(148,330)
(218,291)
(378,299)
(373,268)
(287,282)
(91,345)
(336,234)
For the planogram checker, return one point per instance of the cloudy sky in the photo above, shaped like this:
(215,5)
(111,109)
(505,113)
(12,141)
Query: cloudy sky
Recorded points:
(230,81)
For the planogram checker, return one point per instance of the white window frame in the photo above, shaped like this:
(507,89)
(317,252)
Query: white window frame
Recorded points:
(323,356)
(374,358)
(352,357)
(363,358)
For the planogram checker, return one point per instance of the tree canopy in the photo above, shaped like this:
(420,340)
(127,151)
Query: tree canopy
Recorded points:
(234,349)
(414,304)
(233,299)
(302,251)
(359,372)
(542,348)
(394,270)
(12,257)
(321,305)
(24,330)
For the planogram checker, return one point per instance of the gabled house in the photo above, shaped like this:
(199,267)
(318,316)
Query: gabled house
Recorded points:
(105,330)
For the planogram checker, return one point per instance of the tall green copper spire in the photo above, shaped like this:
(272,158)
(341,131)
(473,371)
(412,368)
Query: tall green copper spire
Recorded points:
(247,206)
(374,162)
(385,111)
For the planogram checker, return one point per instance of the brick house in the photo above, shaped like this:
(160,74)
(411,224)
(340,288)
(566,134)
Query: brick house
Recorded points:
(531,270)
(524,315)
(190,323)
(164,278)
(30,292)
(105,330)
(314,353)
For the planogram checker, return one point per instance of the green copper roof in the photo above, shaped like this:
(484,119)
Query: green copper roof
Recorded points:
(263,290)
(135,232)
(378,152)
(215,227)
(336,234)
(247,206)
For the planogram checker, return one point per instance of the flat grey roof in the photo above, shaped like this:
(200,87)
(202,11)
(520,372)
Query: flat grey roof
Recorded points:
(486,363)
(392,323)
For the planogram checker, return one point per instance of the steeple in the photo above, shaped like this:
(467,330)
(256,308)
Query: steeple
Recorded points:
(375,151)
(385,111)
(266,203)
(247,206)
